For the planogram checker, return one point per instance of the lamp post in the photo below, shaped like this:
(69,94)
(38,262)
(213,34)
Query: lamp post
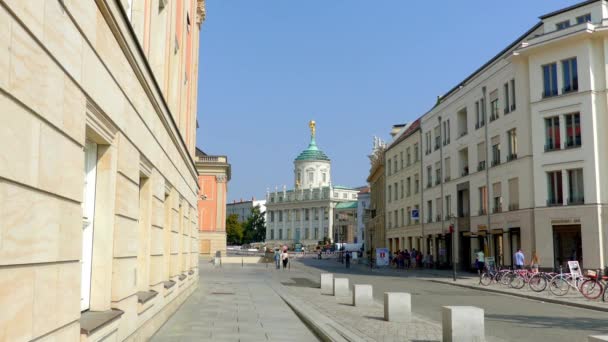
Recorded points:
(453,222)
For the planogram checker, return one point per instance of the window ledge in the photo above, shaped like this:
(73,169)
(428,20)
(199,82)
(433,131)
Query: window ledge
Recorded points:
(91,321)
(182,277)
(168,284)
(145,296)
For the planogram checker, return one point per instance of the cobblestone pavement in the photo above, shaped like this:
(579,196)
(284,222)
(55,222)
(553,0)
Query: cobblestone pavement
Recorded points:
(507,317)
(234,304)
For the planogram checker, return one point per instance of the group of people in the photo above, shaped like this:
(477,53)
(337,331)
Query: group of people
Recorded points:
(281,257)
(406,259)
(519,260)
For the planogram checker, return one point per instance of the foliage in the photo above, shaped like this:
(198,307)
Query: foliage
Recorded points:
(234,230)
(255,227)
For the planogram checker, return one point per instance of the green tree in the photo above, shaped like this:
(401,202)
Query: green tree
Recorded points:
(255,226)
(234,230)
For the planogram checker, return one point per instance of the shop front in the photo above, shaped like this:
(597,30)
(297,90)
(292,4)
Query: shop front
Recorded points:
(567,245)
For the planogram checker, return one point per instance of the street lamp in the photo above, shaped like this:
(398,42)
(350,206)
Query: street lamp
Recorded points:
(453,222)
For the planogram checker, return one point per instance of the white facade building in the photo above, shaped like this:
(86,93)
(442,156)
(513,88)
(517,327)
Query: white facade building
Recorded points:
(305,213)
(363,203)
(513,155)
(243,208)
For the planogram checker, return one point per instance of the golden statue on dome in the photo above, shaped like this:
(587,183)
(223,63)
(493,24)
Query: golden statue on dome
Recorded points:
(313,128)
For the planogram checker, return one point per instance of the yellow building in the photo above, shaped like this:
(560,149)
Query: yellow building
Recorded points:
(98,187)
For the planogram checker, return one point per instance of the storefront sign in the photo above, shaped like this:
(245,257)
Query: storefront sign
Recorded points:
(415,214)
(566,221)
(482,227)
(382,257)
(575,269)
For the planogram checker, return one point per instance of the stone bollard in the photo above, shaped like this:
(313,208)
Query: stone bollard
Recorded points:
(463,324)
(363,295)
(341,287)
(597,338)
(397,307)
(327,283)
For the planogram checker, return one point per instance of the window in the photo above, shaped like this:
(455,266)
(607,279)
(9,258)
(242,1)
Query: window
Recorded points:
(514,194)
(512,144)
(401,160)
(390,193)
(408,183)
(324,175)
(495,150)
(396,191)
(576,189)
(482,112)
(316,237)
(507,102)
(438,172)
(483,200)
(402,218)
(584,19)
(298,214)
(573,130)
(345,195)
(493,105)
(437,137)
(395,169)
(481,156)
(280,234)
(570,72)
(289,216)
(549,80)
(88,212)
(429,217)
(554,188)
(429,176)
(428,143)
(408,156)
(326,214)
(552,135)
(272,216)
(402,193)
(513,95)
(462,121)
(477,115)
(272,234)
(562,25)
(306,233)
(497,197)
(416,155)
(311,177)
(316,213)
(446,166)
(280,215)
(448,207)
(446,132)
(390,166)
(416,184)
(390,220)
(409,215)
(288,234)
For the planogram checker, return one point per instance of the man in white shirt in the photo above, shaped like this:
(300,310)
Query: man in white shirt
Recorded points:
(481,261)
(520,259)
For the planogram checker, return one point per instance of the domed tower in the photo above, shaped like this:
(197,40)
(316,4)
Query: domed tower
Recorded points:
(312,168)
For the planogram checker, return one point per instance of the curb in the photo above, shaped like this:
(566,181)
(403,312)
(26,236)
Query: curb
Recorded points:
(548,300)
(322,326)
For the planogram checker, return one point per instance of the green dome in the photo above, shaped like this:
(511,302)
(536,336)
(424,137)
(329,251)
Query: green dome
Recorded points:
(312,152)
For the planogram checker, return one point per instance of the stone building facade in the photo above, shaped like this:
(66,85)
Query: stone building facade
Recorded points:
(214,173)
(98,189)
(375,230)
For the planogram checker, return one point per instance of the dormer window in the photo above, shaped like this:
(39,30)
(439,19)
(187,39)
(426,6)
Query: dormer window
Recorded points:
(584,19)
(562,25)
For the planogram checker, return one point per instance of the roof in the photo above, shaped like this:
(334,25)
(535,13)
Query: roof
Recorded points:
(347,205)
(566,9)
(200,152)
(340,187)
(408,132)
(312,152)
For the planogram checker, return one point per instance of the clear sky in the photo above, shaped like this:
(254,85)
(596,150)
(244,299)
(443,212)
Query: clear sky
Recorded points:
(356,67)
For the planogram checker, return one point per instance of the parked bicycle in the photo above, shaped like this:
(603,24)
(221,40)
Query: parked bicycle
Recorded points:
(595,286)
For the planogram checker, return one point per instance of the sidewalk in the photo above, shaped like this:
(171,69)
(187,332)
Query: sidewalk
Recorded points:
(234,304)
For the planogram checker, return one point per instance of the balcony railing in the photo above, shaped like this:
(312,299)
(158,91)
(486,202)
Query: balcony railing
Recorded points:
(495,162)
(465,171)
(576,200)
(572,143)
(429,185)
(438,218)
(437,181)
(482,211)
(513,206)
(462,134)
(481,165)
(511,156)
(447,178)
(551,147)
(549,93)
(552,202)
(497,210)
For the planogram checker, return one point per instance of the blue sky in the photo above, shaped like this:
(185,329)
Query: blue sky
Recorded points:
(356,67)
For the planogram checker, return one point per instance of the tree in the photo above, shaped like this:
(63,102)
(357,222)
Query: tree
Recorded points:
(255,226)
(234,230)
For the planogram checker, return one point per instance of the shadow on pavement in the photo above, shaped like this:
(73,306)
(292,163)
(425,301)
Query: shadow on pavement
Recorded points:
(301,282)
(593,325)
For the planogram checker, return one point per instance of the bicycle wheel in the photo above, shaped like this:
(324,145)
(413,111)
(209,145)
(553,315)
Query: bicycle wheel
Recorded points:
(485,279)
(517,281)
(591,289)
(605,296)
(559,285)
(506,278)
(538,283)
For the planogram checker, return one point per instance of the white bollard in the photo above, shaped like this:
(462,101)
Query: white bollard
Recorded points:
(363,295)
(597,338)
(341,287)
(397,307)
(463,324)
(327,283)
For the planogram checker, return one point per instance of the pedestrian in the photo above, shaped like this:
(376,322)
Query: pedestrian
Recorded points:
(481,261)
(320,254)
(413,257)
(406,258)
(535,262)
(285,258)
(347,259)
(520,259)
(430,259)
(419,259)
(277,258)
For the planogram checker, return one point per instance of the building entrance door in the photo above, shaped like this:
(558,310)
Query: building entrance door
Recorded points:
(88,214)
(498,249)
(567,245)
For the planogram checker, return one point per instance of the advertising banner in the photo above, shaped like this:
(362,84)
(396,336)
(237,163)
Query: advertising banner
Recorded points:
(382,257)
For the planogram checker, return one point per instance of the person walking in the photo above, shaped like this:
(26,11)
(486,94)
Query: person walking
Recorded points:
(481,261)
(285,259)
(347,259)
(520,259)
(277,259)
(535,262)
(406,258)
